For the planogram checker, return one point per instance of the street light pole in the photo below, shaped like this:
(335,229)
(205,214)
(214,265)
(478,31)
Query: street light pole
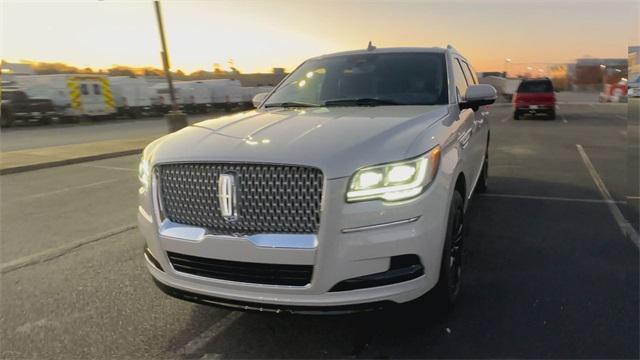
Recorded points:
(175,118)
(506,62)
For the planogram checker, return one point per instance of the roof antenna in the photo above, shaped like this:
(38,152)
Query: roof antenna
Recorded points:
(370,47)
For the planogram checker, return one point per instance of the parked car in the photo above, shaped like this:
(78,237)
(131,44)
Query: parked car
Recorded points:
(346,189)
(17,106)
(535,97)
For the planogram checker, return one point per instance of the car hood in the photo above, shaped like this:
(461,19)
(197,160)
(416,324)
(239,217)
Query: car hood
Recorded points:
(337,140)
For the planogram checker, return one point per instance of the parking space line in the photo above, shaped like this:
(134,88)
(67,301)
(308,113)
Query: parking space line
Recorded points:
(551,198)
(506,118)
(626,228)
(564,119)
(108,167)
(49,193)
(196,344)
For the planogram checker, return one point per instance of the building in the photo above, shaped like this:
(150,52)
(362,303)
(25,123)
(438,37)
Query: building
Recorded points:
(589,74)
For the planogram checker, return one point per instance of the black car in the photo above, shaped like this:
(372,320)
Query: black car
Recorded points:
(17,106)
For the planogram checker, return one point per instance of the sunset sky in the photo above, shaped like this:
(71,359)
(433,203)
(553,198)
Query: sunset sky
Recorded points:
(260,35)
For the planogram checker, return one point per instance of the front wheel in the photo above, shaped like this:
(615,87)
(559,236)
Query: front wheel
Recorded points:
(7,118)
(551,115)
(516,115)
(447,290)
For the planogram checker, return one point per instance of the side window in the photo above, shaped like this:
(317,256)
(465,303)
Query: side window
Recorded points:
(96,89)
(84,89)
(471,78)
(21,96)
(460,80)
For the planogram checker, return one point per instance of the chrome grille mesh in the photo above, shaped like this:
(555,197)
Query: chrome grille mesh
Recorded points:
(270,198)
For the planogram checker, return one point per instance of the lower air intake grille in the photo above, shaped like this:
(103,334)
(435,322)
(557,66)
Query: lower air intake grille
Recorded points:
(256,273)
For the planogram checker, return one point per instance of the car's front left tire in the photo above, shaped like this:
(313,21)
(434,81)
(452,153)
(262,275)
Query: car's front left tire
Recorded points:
(447,289)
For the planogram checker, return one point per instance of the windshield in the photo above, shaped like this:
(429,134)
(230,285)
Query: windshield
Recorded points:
(535,86)
(366,79)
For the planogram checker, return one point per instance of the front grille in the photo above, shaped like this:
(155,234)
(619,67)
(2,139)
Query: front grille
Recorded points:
(256,273)
(270,198)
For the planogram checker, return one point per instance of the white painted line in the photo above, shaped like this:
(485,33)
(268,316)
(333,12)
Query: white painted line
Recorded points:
(63,190)
(108,167)
(199,342)
(551,198)
(624,118)
(506,118)
(626,228)
(59,251)
(564,119)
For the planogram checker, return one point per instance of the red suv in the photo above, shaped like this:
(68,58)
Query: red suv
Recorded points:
(535,97)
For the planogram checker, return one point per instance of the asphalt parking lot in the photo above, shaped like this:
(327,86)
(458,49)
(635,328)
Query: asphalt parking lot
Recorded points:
(549,272)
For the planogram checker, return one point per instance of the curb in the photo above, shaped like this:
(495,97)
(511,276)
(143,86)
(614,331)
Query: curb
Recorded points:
(62,162)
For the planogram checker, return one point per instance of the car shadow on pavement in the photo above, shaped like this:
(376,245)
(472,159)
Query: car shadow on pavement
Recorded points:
(543,278)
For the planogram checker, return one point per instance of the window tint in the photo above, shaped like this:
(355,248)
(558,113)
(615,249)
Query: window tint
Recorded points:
(402,78)
(13,95)
(535,86)
(471,77)
(460,80)
(96,89)
(84,89)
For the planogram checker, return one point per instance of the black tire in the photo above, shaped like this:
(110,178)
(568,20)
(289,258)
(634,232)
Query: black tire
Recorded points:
(446,291)
(516,115)
(483,180)
(45,121)
(551,115)
(7,118)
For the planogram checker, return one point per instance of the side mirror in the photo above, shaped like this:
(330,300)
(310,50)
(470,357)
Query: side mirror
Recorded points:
(478,95)
(259,98)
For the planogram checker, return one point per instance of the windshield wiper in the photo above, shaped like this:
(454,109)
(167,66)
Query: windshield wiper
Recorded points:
(360,102)
(290,104)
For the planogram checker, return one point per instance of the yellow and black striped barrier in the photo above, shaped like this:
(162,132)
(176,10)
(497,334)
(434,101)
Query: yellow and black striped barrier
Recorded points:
(106,93)
(74,93)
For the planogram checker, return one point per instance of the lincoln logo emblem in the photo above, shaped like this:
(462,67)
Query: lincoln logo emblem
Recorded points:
(227,196)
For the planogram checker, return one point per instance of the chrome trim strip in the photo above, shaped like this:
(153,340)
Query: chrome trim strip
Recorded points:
(379,226)
(277,241)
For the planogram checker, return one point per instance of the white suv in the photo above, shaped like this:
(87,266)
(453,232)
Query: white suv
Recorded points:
(344,190)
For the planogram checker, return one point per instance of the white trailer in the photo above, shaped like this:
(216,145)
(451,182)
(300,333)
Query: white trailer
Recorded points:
(162,101)
(223,93)
(248,92)
(133,95)
(200,95)
(505,86)
(73,95)
(510,87)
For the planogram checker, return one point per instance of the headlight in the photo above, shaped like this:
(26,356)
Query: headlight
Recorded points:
(144,172)
(395,181)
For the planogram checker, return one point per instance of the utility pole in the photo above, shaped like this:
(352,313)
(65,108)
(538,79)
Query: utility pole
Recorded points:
(175,118)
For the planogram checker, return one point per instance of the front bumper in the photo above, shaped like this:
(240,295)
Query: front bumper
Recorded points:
(534,108)
(347,246)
